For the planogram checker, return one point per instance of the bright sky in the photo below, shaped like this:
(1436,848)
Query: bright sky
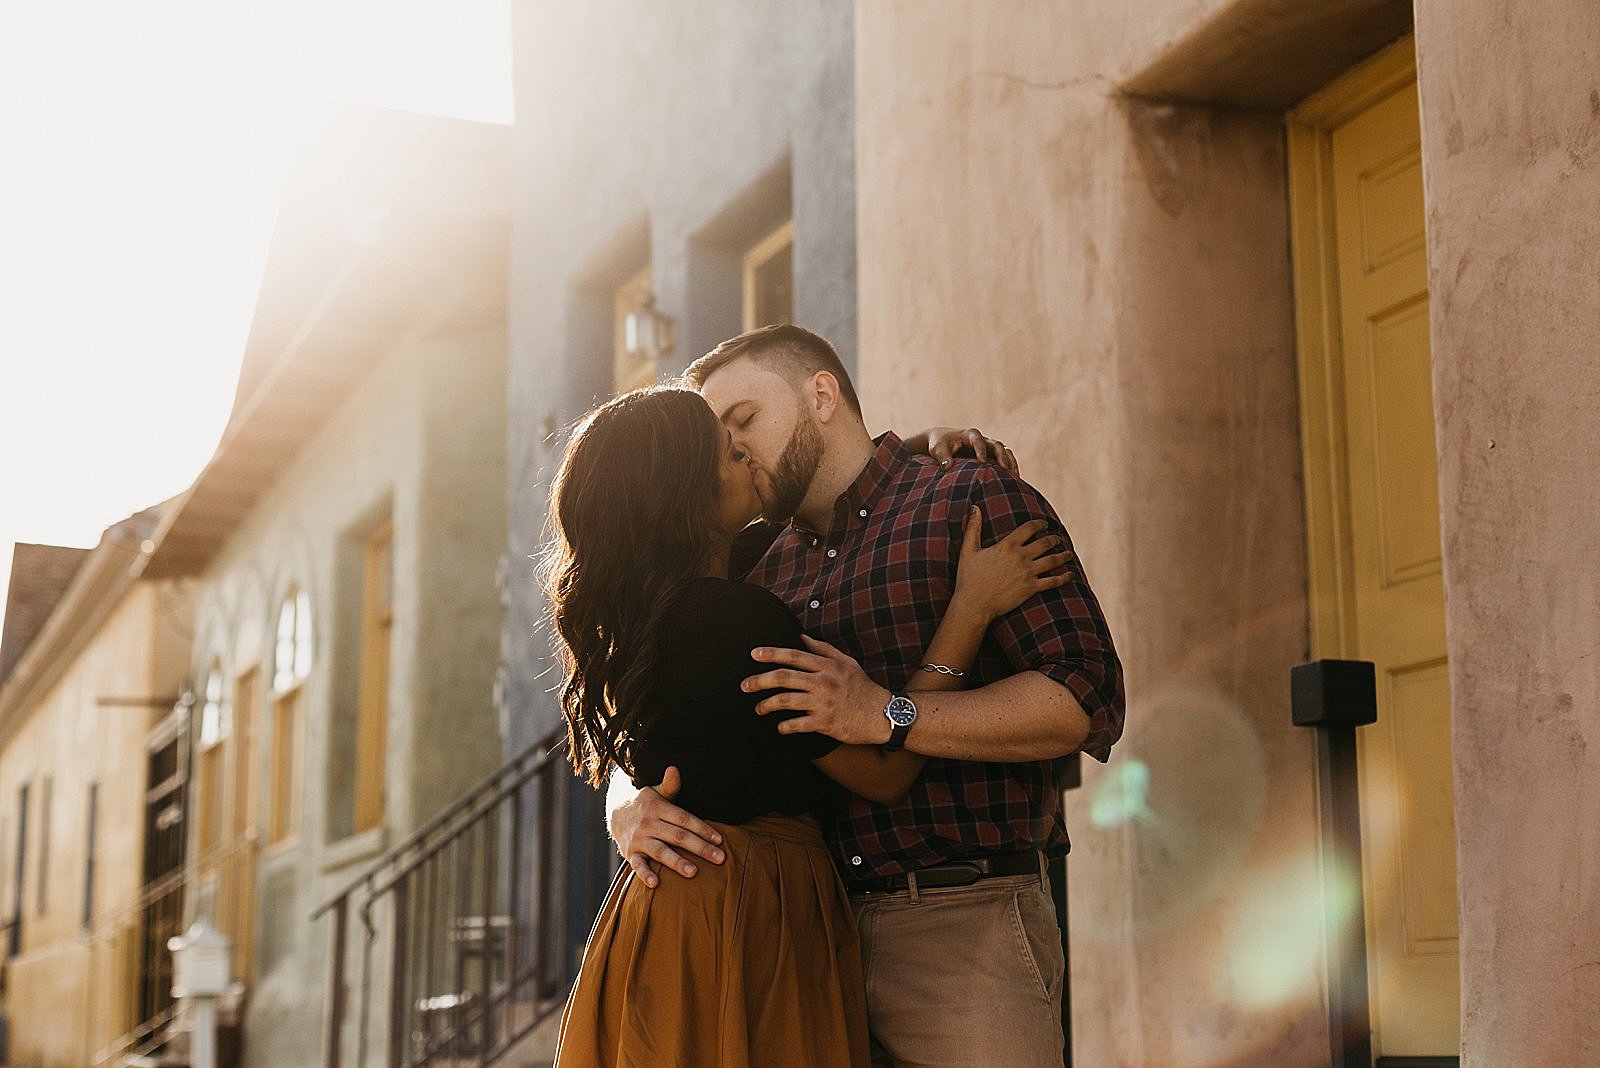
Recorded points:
(142,147)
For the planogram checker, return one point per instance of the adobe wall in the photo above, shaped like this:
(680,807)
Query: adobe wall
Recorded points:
(1511,163)
(1103,283)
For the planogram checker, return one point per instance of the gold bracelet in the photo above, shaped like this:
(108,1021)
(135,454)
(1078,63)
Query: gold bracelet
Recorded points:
(943,670)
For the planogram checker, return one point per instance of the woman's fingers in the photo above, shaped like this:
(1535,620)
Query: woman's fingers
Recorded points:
(978,443)
(972,535)
(1043,565)
(1025,533)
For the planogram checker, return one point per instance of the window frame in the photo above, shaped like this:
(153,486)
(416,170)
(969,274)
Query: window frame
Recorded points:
(368,801)
(293,656)
(757,257)
(211,765)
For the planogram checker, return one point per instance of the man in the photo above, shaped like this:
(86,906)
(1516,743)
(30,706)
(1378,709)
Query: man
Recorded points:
(962,954)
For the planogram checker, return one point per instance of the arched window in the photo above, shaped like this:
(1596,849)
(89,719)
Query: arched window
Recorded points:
(291,661)
(215,726)
(291,664)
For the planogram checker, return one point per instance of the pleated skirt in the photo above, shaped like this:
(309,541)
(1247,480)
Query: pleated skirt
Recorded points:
(753,963)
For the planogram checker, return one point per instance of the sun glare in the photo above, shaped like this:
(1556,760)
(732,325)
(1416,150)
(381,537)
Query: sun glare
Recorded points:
(146,147)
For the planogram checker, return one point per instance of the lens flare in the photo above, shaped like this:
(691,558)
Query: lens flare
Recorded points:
(1120,795)
(1275,945)
(1180,804)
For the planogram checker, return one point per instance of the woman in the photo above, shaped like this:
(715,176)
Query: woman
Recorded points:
(756,961)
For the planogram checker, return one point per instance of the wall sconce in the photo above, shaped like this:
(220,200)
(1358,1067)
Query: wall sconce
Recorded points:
(647,332)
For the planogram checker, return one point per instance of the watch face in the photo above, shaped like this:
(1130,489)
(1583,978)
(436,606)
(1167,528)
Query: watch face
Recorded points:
(901,712)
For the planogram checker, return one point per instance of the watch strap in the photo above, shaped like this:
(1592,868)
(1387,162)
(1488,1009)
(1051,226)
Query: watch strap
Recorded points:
(897,739)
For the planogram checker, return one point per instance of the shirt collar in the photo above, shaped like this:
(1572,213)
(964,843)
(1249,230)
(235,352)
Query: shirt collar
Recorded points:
(852,507)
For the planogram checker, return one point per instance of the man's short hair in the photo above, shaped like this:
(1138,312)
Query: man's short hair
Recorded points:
(791,351)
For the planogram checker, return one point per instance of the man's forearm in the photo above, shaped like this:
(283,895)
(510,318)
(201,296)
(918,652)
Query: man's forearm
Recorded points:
(1028,716)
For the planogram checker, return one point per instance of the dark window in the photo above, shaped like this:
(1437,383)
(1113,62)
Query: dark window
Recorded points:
(44,842)
(14,941)
(88,855)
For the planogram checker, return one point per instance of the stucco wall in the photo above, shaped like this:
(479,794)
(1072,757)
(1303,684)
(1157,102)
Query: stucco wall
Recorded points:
(61,989)
(1511,163)
(422,436)
(672,133)
(1104,284)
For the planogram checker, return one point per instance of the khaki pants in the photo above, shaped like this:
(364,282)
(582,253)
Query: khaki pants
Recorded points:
(963,977)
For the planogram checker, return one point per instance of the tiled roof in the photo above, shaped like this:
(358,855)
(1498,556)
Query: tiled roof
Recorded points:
(39,576)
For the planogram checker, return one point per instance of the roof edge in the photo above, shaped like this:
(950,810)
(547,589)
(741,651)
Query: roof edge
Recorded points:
(112,567)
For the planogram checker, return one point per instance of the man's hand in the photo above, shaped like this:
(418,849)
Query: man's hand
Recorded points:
(648,826)
(836,696)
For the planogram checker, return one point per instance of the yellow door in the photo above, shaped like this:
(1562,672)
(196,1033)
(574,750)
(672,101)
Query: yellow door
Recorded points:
(1389,577)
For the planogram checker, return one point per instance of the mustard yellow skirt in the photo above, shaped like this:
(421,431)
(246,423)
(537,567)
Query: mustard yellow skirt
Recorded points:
(753,963)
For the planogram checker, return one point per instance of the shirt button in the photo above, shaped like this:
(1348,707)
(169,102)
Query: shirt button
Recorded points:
(832,553)
(856,861)
(862,513)
(816,604)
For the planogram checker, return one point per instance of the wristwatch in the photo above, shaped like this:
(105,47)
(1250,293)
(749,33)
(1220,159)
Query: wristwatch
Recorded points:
(901,714)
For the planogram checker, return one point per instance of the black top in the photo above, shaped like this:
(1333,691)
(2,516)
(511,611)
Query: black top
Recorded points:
(734,763)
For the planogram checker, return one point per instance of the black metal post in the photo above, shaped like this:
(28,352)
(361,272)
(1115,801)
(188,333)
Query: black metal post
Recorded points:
(514,901)
(399,1031)
(1335,697)
(1069,776)
(336,998)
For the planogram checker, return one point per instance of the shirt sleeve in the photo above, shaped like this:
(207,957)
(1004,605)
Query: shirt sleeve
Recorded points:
(1060,633)
(746,618)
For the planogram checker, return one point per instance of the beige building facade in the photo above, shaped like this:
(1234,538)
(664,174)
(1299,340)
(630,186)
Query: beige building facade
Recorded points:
(78,710)
(1291,310)
(343,545)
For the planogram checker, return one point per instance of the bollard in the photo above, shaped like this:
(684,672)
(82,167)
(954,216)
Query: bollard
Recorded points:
(1335,697)
(200,975)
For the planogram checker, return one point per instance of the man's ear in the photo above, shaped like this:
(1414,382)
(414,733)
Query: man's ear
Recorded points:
(823,395)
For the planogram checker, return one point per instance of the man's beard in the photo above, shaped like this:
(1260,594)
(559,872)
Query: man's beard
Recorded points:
(796,468)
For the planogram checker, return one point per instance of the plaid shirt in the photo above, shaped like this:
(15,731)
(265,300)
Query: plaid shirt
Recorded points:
(877,585)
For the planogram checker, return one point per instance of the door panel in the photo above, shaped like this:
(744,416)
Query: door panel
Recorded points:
(1393,578)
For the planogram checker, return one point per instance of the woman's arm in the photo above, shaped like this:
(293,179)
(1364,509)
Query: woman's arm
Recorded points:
(989,583)
(944,443)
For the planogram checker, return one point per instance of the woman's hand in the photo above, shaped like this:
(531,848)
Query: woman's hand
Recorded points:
(944,443)
(829,688)
(991,582)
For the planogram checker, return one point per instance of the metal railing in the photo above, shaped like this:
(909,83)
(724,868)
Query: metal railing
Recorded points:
(459,943)
(130,958)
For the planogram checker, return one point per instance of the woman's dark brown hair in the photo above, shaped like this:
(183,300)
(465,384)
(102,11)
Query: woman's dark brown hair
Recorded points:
(633,520)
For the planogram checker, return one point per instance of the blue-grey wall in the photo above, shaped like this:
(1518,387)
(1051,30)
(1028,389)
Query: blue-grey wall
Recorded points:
(676,134)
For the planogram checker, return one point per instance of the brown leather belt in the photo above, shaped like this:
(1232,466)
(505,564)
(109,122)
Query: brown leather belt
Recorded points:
(963,872)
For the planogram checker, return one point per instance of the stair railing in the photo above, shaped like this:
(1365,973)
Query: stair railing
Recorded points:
(459,939)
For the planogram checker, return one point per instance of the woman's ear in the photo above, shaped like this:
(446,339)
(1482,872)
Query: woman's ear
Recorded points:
(824,395)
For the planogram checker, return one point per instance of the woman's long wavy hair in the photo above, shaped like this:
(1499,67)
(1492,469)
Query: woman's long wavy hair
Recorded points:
(634,520)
